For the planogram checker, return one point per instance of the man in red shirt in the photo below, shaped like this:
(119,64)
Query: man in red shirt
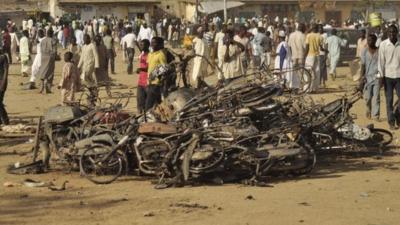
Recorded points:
(65,36)
(7,45)
(142,71)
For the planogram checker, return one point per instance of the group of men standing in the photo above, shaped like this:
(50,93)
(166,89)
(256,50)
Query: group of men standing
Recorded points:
(316,51)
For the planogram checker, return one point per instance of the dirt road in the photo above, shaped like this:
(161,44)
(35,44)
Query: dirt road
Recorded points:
(356,190)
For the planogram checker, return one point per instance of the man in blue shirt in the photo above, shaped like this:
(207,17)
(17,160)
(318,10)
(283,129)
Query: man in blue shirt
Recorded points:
(369,71)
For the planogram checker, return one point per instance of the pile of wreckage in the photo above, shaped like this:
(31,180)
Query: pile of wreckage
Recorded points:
(240,132)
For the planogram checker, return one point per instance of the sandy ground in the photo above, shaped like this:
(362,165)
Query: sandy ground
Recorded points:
(357,189)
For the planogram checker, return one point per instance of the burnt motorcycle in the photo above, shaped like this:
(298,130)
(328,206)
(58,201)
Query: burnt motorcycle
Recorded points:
(334,128)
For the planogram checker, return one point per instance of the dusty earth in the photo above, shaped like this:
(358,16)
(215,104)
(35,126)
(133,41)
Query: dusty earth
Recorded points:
(343,189)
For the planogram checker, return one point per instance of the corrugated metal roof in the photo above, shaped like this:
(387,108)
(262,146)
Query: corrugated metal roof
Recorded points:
(215,6)
(19,7)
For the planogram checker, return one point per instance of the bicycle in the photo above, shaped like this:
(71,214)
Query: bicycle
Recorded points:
(103,164)
(267,75)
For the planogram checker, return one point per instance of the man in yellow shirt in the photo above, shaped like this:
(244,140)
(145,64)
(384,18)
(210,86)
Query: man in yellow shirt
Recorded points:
(155,59)
(313,46)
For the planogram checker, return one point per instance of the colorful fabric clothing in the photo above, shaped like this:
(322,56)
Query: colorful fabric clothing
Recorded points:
(143,64)
(314,42)
(154,60)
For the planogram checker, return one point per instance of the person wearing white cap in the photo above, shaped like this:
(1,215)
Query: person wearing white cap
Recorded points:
(283,61)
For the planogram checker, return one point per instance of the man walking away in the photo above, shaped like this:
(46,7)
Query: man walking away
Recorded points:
(334,44)
(313,45)
(109,43)
(369,78)
(322,56)
(297,45)
(102,78)
(389,68)
(25,54)
(47,64)
(128,43)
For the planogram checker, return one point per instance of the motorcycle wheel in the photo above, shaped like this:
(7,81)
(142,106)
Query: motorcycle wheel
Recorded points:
(311,160)
(101,170)
(380,137)
(209,163)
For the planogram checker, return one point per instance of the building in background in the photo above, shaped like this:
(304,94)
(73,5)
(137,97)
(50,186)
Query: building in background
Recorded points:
(87,9)
(17,10)
(302,10)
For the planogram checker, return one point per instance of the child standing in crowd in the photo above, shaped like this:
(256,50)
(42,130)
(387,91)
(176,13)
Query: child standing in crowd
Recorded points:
(69,82)
(142,71)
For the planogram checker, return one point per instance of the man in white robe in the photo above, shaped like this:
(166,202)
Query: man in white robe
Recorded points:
(88,62)
(199,63)
(25,53)
(36,61)
(230,55)
(283,62)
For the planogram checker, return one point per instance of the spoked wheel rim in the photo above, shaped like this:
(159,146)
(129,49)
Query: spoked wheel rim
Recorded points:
(99,169)
(304,78)
(217,155)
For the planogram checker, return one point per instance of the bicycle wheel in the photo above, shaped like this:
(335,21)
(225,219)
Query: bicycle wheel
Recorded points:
(206,158)
(98,169)
(304,79)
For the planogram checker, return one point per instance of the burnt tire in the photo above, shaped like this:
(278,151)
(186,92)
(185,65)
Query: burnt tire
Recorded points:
(380,137)
(96,167)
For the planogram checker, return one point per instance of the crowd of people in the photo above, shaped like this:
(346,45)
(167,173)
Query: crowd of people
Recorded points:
(234,47)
